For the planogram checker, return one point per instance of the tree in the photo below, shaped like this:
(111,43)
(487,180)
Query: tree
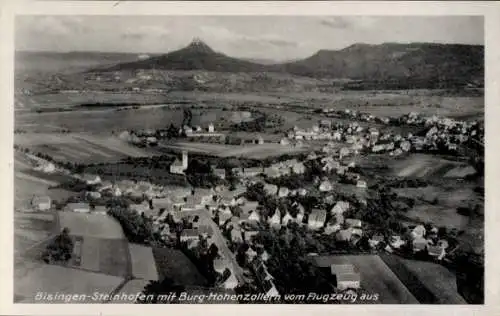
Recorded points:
(156,288)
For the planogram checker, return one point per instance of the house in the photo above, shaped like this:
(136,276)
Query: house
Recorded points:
(254,217)
(91,179)
(283,192)
(250,254)
(231,282)
(220,173)
(178,166)
(443,244)
(41,203)
(344,235)
(358,232)
(340,207)
(259,140)
(312,156)
(275,220)
(396,242)
(264,256)
(272,172)
(361,184)
(270,189)
(341,170)
(211,128)
(298,168)
(419,244)
(332,228)
(325,186)
(346,277)
(251,172)
(249,206)
(224,217)
(236,236)
(375,240)
(436,252)
(78,207)
(219,265)
(93,195)
(189,234)
(418,232)
(287,219)
(316,219)
(351,222)
(249,234)
(100,209)
(46,167)
(284,142)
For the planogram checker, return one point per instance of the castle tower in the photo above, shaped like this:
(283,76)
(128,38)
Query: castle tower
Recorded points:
(184,160)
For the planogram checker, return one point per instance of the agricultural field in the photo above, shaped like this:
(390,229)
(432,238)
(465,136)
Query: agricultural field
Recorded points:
(31,228)
(79,148)
(57,279)
(106,256)
(431,283)
(91,225)
(438,215)
(423,166)
(143,262)
(174,264)
(437,279)
(248,151)
(376,277)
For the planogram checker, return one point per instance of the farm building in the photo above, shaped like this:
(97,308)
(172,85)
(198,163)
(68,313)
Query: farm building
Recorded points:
(41,203)
(287,218)
(316,219)
(236,236)
(436,252)
(78,207)
(346,277)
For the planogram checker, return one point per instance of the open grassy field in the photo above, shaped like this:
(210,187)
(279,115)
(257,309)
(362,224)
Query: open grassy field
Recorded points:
(91,225)
(248,151)
(376,278)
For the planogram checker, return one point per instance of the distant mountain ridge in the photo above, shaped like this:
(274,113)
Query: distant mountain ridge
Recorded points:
(419,65)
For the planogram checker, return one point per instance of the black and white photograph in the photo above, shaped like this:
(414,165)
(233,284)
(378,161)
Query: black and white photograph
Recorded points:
(253,159)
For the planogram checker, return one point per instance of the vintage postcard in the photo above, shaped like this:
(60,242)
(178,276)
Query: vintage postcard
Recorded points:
(181,154)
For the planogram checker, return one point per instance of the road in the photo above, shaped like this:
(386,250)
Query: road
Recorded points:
(220,242)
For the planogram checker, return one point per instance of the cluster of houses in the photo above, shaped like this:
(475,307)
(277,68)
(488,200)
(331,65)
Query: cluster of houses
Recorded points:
(419,240)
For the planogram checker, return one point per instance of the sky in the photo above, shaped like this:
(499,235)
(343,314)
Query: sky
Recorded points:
(263,37)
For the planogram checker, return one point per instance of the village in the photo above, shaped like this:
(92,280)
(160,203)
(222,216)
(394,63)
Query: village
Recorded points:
(221,228)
